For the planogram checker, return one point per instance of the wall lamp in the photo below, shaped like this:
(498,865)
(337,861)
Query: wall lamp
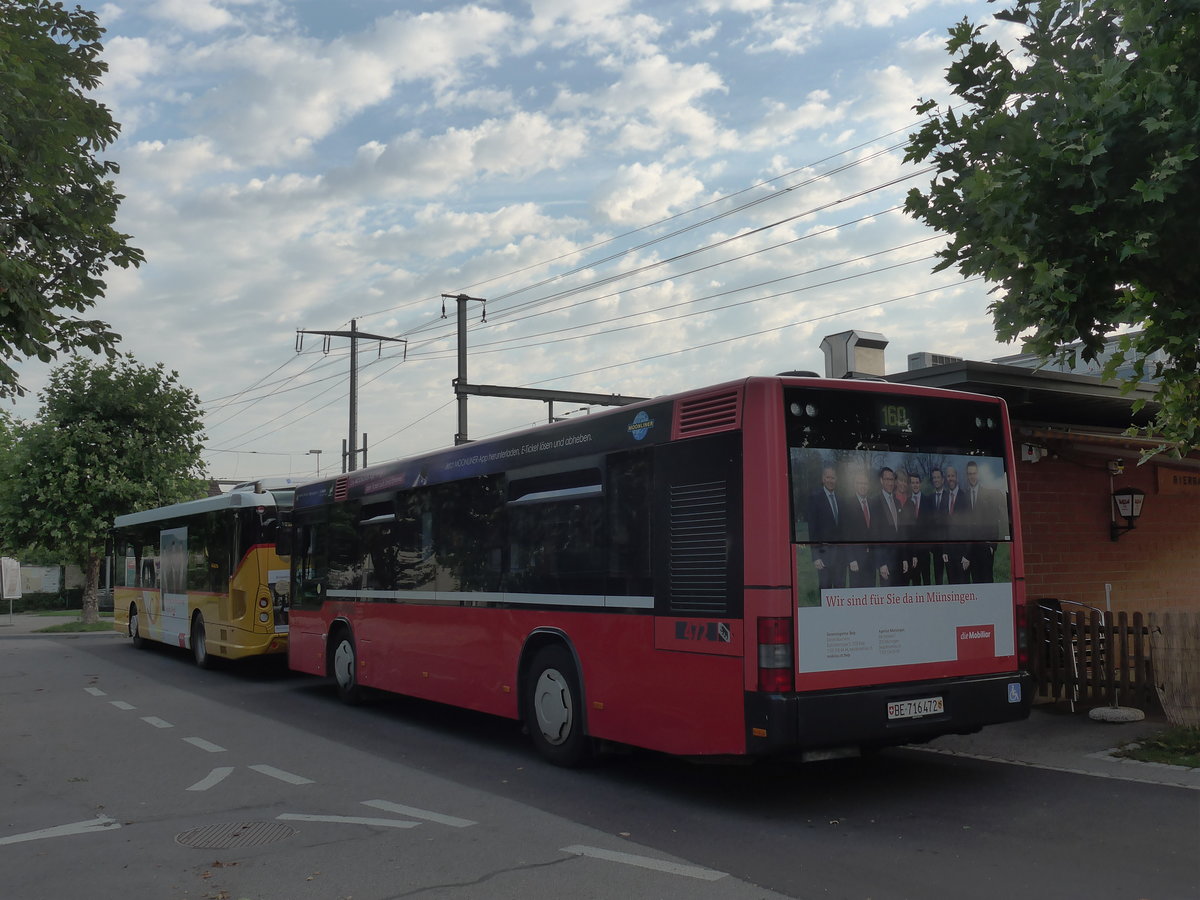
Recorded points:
(1128,505)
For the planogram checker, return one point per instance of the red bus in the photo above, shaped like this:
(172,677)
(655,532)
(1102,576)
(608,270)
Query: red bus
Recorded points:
(773,566)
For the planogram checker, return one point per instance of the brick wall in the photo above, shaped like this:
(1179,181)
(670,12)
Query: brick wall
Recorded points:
(1065,516)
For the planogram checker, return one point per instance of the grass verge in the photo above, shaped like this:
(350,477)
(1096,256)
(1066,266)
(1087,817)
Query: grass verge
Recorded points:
(75,628)
(1177,746)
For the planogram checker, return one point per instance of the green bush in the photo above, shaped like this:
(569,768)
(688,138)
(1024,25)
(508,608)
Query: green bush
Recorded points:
(71,598)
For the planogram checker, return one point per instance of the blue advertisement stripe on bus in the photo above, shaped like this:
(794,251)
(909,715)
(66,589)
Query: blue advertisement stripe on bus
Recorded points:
(643,426)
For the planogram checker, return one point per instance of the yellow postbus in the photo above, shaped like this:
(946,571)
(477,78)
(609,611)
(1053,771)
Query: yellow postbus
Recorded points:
(204,575)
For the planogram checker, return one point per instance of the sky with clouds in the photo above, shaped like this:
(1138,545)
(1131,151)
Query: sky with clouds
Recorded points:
(650,196)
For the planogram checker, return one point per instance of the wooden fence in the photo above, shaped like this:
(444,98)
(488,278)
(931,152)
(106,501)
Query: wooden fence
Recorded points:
(1175,642)
(1088,658)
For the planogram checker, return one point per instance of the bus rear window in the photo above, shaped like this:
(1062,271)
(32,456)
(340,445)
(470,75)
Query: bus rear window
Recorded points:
(861,461)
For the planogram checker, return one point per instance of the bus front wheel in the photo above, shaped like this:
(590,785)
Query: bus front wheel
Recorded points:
(553,708)
(199,645)
(344,664)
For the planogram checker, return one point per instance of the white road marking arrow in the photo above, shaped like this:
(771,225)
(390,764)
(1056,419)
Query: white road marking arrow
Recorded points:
(100,823)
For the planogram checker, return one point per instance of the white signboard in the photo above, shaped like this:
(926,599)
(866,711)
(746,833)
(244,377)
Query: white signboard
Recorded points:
(10,573)
(866,628)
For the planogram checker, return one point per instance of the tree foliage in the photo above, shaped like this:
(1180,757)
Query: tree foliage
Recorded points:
(110,439)
(57,201)
(1068,176)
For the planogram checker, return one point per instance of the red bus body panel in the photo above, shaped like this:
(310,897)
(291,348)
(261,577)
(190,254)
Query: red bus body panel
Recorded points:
(673,701)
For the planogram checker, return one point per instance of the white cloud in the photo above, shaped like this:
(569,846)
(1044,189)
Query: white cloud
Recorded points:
(192,15)
(109,13)
(130,61)
(426,165)
(173,164)
(742,6)
(639,194)
(437,228)
(598,26)
(276,95)
(654,100)
(797,27)
(699,37)
(872,13)
(782,122)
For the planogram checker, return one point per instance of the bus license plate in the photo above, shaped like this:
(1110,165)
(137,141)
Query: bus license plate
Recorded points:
(915,709)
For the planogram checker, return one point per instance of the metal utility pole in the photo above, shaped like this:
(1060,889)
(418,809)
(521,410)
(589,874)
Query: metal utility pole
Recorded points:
(350,455)
(460,436)
(463,388)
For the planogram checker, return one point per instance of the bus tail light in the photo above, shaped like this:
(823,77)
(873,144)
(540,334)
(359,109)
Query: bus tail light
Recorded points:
(1023,636)
(775,655)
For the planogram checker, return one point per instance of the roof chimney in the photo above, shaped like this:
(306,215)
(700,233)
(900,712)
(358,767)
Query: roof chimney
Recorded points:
(854,354)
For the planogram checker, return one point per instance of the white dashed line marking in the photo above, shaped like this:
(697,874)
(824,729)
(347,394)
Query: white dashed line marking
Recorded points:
(157,722)
(205,745)
(348,820)
(215,777)
(121,704)
(95,692)
(413,812)
(645,862)
(281,775)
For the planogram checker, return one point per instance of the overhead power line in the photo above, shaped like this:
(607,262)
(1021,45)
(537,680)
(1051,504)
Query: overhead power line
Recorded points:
(671,218)
(263,388)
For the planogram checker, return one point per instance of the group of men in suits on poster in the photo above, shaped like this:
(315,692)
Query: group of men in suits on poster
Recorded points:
(889,531)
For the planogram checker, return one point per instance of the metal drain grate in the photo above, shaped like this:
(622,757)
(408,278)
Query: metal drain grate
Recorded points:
(224,836)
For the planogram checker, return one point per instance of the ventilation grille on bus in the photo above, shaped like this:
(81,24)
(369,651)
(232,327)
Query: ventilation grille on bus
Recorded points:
(699,556)
(705,415)
(340,489)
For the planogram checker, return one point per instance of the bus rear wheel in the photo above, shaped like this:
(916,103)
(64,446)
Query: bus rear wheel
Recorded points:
(199,645)
(343,663)
(553,708)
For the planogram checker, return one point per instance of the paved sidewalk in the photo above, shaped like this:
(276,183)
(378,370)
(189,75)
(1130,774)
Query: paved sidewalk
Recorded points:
(1055,738)
(1051,738)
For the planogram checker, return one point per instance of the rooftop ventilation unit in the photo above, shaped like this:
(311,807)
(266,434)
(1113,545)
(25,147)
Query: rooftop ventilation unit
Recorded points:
(925,360)
(854,354)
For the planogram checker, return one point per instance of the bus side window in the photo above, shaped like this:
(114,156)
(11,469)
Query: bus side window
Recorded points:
(147,564)
(307,565)
(556,542)
(345,561)
(131,555)
(467,529)
(415,566)
(208,555)
(629,492)
(379,555)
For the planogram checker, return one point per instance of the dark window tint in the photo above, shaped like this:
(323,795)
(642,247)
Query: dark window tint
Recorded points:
(629,491)
(209,546)
(556,537)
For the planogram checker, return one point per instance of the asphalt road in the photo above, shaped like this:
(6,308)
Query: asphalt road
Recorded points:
(165,781)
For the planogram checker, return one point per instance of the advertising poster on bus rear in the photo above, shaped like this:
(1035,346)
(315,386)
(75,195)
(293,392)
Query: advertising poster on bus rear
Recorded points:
(902,559)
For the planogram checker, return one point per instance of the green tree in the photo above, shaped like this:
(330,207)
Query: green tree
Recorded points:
(57,201)
(110,439)
(1068,177)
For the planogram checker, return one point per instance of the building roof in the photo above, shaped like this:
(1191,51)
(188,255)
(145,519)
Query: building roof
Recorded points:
(1042,396)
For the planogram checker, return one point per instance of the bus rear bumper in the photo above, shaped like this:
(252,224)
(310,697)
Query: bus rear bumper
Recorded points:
(828,723)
